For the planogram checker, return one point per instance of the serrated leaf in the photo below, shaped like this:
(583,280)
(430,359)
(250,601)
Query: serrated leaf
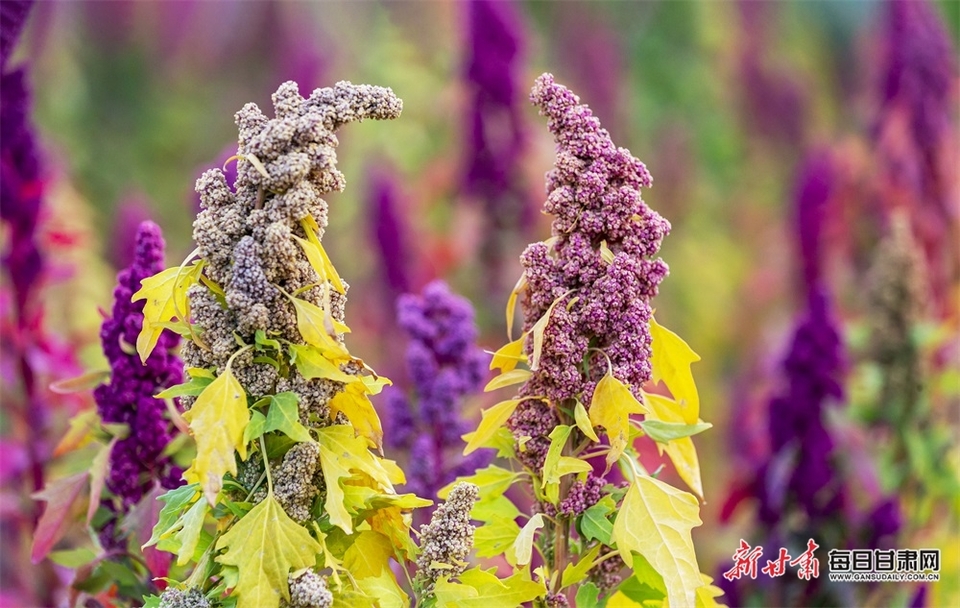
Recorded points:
(311,363)
(611,407)
(356,406)
(574,573)
(682,452)
(491,591)
(509,355)
(189,534)
(312,326)
(265,546)
(594,523)
(671,359)
(174,502)
(495,536)
(217,420)
(489,509)
(284,416)
(523,546)
(341,451)
(369,555)
(707,594)
(514,376)
(166,297)
(587,596)
(655,520)
(491,419)
(512,303)
(81,383)
(256,427)
(384,589)
(59,496)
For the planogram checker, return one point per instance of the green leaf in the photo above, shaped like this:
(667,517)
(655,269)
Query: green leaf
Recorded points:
(495,536)
(189,535)
(492,419)
(174,502)
(665,432)
(587,596)
(514,376)
(594,523)
(73,558)
(488,509)
(655,521)
(260,337)
(671,359)
(574,573)
(284,416)
(369,555)
(492,481)
(264,546)
(256,427)
(193,388)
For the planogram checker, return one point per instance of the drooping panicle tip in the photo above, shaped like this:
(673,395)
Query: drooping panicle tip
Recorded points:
(552,98)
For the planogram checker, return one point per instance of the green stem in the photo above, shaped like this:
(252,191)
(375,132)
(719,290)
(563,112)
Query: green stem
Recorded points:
(266,465)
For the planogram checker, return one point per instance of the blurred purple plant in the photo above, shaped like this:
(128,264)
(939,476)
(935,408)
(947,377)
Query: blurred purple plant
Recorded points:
(916,133)
(388,231)
(494,126)
(123,243)
(137,461)
(444,365)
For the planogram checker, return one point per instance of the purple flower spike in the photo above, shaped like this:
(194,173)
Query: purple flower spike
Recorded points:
(599,263)
(13,14)
(445,365)
(136,461)
(813,193)
(389,231)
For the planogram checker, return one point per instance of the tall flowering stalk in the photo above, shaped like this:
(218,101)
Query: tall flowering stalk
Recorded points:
(444,365)
(278,407)
(589,343)
(801,489)
(494,126)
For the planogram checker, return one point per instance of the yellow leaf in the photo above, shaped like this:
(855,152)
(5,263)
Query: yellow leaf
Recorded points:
(556,466)
(620,600)
(512,302)
(523,546)
(681,451)
(189,534)
(374,384)
(358,409)
(491,419)
(655,520)
(329,272)
(482,589)
(610,408)
(311,363)
(515,376)
(217,421)
(671,361)
(707,594)
(369,554)
(385,590)
(265,545)
(394,523)
(538,330)
(583,422)
(340,452)
(311,324)
(166,297)
(509,355)
(81,432)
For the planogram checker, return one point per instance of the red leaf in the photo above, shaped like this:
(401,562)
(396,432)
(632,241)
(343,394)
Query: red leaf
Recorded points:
(59,496)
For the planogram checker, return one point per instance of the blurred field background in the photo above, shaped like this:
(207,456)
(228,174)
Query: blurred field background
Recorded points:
(723,101)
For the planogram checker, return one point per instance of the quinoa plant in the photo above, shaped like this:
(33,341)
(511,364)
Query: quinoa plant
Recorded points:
(589,345)
(284,484)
